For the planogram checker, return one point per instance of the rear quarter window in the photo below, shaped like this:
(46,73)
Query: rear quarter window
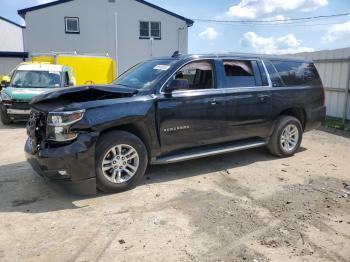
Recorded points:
(295,73)
(274,75)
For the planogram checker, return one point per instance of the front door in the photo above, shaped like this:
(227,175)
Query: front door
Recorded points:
(191,118)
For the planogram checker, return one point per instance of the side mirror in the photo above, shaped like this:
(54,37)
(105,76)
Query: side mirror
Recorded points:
(69,84)
(176,84)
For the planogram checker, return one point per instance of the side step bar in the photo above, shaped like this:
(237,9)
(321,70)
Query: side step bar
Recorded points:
(215,150)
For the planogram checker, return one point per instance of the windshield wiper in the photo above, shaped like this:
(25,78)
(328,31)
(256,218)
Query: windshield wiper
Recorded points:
(124,85)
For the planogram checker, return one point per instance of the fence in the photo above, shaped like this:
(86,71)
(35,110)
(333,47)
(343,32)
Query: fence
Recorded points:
(334,69)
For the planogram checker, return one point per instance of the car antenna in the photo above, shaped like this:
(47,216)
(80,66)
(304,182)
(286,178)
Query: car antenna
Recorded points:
(176,54)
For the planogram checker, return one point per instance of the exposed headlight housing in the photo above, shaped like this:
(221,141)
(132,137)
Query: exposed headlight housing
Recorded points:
(59,124)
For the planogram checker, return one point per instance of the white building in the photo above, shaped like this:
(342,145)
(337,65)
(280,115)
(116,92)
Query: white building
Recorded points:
(11,45)
(128,30)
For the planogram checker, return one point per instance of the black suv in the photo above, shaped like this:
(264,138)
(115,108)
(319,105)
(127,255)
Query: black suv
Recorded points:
(172,109)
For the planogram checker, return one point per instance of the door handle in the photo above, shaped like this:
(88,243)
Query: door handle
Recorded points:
(213,102)
(263,98)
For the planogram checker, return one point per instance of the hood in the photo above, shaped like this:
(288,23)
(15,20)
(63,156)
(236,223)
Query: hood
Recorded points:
(86,93)
(25,94)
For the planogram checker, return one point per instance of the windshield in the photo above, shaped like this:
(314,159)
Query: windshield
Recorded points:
(146,74)
(36,79)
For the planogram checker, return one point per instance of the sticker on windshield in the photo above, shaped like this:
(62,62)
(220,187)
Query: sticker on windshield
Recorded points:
(161,67)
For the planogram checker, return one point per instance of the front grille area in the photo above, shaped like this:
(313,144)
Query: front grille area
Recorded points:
(36,129)
(20,105)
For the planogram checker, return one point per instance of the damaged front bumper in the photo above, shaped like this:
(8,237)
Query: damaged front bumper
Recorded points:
(73,165)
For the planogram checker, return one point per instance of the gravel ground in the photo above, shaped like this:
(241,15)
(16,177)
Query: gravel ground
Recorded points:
(245,206)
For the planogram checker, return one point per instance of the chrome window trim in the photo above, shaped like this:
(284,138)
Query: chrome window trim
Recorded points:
(267,73)
(219,90)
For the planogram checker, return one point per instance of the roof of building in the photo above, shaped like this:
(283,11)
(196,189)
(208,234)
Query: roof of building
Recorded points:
(11,22)
(39,67)
(13,54)
(22,12)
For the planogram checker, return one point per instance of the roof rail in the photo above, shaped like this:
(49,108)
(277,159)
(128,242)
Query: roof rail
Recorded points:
(176,54)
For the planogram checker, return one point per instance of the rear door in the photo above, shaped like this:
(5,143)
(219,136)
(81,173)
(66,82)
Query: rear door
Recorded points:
(248,98)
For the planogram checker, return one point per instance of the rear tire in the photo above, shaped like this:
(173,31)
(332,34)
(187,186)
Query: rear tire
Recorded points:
(286,138)
(5,118)
(121,161)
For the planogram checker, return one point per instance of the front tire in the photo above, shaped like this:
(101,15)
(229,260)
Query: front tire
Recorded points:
(121,161)
(287,137)
(5,118)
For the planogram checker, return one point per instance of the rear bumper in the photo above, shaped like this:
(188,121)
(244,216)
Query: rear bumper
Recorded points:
(72,165)
(315,117)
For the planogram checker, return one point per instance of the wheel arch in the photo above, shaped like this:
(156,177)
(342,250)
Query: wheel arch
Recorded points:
(298,113)
(135,129)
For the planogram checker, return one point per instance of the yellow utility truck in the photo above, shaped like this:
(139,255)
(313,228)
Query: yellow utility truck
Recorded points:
(88,69)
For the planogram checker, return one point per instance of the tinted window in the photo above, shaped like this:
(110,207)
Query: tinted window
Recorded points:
(297,73)
(274,76)
(199,75)
(145,75)
(239,73)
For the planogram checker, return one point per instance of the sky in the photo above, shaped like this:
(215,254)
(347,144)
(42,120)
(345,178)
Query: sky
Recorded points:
(277,38)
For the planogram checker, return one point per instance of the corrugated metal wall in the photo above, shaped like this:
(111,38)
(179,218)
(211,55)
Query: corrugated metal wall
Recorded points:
(334,69)
(8,63)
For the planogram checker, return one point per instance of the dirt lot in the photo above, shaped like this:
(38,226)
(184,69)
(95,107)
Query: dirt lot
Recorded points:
(246,206)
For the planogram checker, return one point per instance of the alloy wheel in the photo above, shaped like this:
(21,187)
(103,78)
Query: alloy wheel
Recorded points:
(120,163)
(289,138)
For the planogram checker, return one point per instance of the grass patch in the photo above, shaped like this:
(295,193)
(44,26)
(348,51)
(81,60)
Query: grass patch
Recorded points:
(336,123)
